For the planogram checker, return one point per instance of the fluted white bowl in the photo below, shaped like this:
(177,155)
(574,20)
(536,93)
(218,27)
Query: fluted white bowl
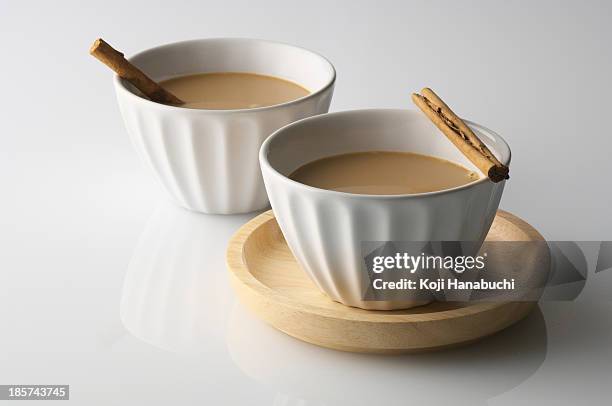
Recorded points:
(207,159)
(324,229)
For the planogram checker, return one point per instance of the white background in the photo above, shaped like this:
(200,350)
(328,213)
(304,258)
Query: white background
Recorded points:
(75,201)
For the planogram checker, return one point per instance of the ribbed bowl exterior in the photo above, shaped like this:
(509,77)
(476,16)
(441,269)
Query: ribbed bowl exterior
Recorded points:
(325,235)
(208,161)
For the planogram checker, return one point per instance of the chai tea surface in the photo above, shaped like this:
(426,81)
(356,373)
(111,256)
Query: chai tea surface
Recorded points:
(232,90)
(383,173)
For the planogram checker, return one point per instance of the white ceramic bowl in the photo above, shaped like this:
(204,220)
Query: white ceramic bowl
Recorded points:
(207,159)
(324,229)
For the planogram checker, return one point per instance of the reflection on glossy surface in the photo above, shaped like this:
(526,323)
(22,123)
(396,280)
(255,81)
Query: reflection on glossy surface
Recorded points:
(306,374)
(175,294)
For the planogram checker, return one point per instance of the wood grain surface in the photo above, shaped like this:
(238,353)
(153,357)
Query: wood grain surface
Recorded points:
(269,281)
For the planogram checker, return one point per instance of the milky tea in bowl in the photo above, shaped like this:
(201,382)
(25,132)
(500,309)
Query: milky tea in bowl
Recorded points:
(232,90)
(383,173)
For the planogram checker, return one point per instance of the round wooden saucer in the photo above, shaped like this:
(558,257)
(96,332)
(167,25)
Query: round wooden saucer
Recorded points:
(268,280)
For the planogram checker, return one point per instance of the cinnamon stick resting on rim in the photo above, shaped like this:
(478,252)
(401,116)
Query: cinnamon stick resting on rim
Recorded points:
(460,134)
(124,69)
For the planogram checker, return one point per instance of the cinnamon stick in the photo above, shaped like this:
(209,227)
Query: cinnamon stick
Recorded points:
(117,62)
(460,135)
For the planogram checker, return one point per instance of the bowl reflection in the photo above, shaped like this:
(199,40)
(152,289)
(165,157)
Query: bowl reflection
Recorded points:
(176,295)
(302,373)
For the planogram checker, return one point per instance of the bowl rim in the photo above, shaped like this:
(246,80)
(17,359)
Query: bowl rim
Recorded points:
(264,163)
(120,86)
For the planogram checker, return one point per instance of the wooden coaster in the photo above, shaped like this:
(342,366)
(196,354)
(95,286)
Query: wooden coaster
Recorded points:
(268,280)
